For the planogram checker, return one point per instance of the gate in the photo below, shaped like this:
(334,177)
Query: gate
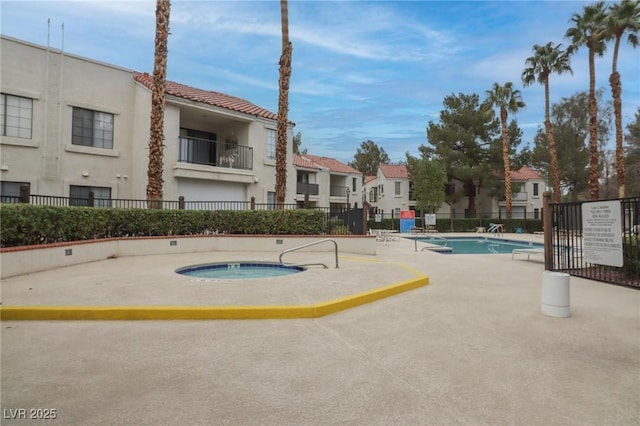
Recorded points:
(564,242)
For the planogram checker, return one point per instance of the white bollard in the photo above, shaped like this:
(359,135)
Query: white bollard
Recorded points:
(555,294)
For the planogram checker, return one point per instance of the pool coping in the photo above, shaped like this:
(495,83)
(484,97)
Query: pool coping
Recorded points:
(126,313)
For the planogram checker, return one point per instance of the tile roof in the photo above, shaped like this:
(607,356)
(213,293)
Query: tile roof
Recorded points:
(207,97)
(525,173)
(394,171)
(332,164)
(301,161)
(368,179)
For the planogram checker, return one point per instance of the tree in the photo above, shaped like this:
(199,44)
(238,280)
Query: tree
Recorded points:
(283,107)
(632,157)
(429,179)
(156,131)
(570,122)
(546,60)
(508,101)
(590,31)
(368,158)
(623,17)
(297,143)
(462,140)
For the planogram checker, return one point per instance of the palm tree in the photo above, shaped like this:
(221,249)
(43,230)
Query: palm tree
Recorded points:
(156,132)
(508,101)
(546,60)
(623,17)
(589,30)
(283,108)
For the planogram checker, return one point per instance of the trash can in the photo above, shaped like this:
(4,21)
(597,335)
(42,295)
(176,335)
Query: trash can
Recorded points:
(555,294)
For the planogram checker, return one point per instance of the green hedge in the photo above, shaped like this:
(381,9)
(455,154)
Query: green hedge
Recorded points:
(26,224)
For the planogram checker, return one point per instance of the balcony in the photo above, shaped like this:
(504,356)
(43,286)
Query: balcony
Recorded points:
(338,191)
(307,188)
(212,153)
(516,197)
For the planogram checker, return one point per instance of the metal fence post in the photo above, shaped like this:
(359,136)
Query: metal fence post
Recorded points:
(91,199)
(181,202)
(253,203)
(25,194)
(547,227)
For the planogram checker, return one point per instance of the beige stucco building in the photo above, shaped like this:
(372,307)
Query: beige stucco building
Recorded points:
(327,182)
(390,191)
(72,124)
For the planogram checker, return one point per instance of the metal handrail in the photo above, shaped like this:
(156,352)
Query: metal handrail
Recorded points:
(309,245)
(415,242)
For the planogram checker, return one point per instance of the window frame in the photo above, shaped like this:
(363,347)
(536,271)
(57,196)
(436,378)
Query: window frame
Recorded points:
(99,126)
(4,109)
(270,147)
(98,199)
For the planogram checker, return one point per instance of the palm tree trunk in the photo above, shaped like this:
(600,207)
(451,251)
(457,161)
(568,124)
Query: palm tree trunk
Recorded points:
(505,159)
(283,108)
(616,92)
(553,154)
(156,131)
(594,185)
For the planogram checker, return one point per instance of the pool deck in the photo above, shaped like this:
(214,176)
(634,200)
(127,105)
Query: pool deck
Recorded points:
(469,348)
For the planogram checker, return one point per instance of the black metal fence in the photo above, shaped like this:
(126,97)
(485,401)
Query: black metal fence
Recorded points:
(570,238)
(337,220)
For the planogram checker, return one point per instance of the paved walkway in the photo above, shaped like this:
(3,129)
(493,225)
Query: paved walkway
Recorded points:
(470,348)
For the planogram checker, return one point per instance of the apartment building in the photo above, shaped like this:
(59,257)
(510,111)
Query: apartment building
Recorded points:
(71,125)
(390,191)
(327,182)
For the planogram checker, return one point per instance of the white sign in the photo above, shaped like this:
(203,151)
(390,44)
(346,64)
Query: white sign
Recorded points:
(378,218)
(602,233)
(430,219)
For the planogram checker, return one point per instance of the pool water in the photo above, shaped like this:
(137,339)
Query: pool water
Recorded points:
(476,245)
(239,270)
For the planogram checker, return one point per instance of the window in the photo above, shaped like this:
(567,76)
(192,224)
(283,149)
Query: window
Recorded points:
(536,213)
(398,192)
(10,191)
(271,200)
(79,196)
(373,194)
(535,189)
(381,189)
(16,116)
(354,181)
(92,128)
(271,144)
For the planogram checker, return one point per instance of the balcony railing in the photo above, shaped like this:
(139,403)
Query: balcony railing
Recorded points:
(307,188)
(213,153)
(516,196)
(338,191)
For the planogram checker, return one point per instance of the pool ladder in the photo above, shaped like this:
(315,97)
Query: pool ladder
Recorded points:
(309,245)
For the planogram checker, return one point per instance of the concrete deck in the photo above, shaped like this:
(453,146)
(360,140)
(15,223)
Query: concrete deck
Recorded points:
(470,348)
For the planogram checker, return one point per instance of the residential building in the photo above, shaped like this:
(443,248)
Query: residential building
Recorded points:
(390,191)
(327,182)
(71,125)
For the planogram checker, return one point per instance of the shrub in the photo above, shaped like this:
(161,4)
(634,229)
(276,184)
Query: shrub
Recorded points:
(26,224)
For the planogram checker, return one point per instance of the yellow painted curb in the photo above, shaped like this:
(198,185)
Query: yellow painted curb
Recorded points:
(127,313)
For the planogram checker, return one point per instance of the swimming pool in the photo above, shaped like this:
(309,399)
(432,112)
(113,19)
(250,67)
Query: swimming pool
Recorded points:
(475,245)
(239,270)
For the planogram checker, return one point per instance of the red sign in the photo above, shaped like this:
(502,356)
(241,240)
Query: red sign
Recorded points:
(407,214)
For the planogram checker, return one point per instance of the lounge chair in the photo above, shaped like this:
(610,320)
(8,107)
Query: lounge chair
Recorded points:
(496,228)
(528,251)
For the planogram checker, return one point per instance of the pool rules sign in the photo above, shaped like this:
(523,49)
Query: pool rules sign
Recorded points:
(602,233)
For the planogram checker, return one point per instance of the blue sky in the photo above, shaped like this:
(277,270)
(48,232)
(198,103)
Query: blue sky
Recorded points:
(361,69)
